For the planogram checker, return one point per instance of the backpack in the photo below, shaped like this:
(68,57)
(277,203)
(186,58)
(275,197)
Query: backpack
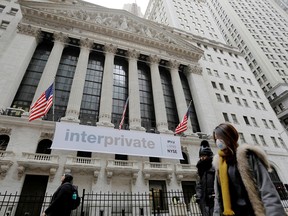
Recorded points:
(75,198)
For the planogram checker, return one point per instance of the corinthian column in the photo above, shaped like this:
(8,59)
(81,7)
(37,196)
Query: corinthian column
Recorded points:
(179,94)
(52,64)
(107,88)
(75,97)
(134,98)
(15,60)
(158,96)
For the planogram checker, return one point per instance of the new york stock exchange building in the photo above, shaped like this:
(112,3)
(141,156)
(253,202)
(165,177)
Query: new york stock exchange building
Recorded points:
(97,58)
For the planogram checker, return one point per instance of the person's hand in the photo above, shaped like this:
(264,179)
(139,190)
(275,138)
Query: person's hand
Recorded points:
(44,214)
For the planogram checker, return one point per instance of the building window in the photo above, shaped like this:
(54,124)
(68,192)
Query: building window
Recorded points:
(265,123)
(148,120)
(256,105)
(218,96)
(214,85)
(4,140)
(254,138)
(282,142)
(4,24)
(13,11)
(170,104)
(29,83)
(90,104)
(120,91)
(254,122)
(188,97)
(262,105)
(238,101)
(246,120)
(242,138)
(262,140)
(233,89)
(226,98)
(272,124)
(274,142)
(226,118)
(234,118)
(245,102)
(221,86)
(209,71)
(44,147)
(2,7)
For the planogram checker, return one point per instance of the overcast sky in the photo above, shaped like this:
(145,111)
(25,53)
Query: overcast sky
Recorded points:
(118,4)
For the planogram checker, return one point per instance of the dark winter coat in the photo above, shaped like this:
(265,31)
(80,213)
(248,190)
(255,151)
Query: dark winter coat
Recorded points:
(61,201)
(251,185)
(205,187)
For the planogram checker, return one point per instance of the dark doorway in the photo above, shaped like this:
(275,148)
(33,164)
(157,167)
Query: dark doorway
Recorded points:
(158,195)
(44,147)
(188,188)
(32,195)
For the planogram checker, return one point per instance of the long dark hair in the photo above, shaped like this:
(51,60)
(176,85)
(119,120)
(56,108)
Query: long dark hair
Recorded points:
(230,136)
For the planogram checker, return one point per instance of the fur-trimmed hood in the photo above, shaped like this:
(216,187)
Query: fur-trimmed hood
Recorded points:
(247,176)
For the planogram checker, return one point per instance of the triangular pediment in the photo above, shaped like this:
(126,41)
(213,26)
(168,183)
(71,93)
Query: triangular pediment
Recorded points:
(119,23)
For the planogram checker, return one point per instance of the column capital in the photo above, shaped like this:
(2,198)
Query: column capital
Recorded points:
(29,30)
(110,48)
(133,54)
(194,68)
(154,59)
(86,43)
(60,37)
(174,64)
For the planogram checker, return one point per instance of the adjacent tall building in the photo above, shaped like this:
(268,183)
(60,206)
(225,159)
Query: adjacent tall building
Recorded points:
(98,57)
(258,29)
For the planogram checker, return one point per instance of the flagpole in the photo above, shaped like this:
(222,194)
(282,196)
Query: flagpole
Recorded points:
(54,94)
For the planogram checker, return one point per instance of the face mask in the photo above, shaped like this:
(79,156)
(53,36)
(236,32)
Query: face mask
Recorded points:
(220,144)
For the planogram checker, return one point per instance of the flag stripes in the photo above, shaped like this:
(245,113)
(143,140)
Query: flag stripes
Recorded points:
(42,105)
(123,114)
(183,125)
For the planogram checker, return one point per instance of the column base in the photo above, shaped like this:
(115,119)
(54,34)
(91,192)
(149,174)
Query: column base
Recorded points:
(105,124)
(165,131)
(70,119)
(137,128)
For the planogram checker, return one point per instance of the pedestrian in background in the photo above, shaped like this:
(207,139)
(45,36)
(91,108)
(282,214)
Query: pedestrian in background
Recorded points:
(243,186)
(205,185)
(61,202)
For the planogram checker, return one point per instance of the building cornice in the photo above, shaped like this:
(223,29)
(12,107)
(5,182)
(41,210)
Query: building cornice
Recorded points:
(100,26)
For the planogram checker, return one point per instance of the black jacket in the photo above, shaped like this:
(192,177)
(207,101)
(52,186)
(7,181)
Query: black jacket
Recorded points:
(61,201)
(205,187)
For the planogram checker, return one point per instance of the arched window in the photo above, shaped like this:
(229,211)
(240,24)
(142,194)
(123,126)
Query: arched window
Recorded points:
(44,146)
(185,160)
(4,140)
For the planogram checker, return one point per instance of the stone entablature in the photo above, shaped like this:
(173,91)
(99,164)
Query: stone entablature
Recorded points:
(121,26)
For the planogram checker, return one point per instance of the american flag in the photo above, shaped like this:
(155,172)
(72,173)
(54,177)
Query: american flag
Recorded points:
(42,105)
(123,115)
(183,125)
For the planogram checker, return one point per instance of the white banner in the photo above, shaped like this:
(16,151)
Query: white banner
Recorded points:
(69,136)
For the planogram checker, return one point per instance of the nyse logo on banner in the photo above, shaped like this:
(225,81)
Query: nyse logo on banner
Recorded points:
(171,148)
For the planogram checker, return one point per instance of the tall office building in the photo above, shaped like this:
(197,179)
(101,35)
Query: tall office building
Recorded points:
(259,30)
(96,58)
(283,4)
(133,8)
